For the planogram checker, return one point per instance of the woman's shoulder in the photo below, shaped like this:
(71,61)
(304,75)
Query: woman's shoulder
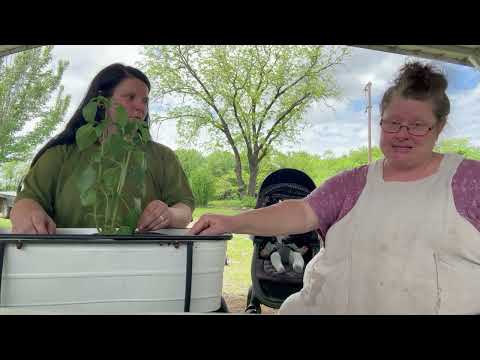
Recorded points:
(466,191)
(159,149)
(468,170)
(347,183)
(359,171)
(466,183)
(352,178)
(58,152)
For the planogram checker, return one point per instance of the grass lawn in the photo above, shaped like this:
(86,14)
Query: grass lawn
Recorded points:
(236,276)
(5,224)
(215,210)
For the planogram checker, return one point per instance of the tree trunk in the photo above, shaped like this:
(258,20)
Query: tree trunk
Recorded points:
(238,173)
(252,181)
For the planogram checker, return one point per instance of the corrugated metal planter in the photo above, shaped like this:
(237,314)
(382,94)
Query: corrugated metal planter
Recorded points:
(77,271)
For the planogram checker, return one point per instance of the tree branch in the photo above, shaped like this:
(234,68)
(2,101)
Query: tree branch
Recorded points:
(281,117)
(210,101)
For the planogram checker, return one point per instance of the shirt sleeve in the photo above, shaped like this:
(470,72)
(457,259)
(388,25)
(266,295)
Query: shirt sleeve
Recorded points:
(332,200)
(466,191)
(41,180)
(175,186)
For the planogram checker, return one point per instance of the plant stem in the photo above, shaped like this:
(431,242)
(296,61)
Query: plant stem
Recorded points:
(121,183)
(98,177)
(125,203)
(105,220)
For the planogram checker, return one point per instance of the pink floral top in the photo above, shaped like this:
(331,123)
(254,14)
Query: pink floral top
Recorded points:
(337,196)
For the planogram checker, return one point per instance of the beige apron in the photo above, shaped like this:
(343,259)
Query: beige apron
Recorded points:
(402,249)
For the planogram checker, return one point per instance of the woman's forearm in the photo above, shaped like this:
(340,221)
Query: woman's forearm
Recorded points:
(287,217)
(181,215)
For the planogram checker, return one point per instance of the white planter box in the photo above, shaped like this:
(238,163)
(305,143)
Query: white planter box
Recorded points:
(111,277)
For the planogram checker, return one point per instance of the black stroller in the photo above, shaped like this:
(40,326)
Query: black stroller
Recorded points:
(269,287)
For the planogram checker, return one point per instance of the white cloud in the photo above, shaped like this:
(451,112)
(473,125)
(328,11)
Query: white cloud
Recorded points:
(345,129)
(464,119)
(365,65)
(165,133)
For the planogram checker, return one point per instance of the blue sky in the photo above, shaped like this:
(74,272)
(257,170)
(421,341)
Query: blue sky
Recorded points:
(339,130)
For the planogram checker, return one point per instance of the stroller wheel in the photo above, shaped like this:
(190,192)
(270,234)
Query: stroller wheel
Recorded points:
(253,309)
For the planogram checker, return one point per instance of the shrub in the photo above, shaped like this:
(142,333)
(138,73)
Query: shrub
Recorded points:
(203,186)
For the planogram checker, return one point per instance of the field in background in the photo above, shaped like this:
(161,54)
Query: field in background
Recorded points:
(4,223)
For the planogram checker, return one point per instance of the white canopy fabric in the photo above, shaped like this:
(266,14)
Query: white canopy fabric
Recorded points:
(468,55)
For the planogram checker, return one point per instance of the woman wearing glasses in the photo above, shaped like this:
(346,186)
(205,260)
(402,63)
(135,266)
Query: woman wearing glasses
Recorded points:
(402,234)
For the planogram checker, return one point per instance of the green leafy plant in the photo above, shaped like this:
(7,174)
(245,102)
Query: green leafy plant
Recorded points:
(203,185)
(113,158)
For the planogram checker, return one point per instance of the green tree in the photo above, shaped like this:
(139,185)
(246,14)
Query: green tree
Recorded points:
(221,165)
(249,98)
(28,114)
(11,174)
(190,159)
(459,146)
(199,174)
(203,185)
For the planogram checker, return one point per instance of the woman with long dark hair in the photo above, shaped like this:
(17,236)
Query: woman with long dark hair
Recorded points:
(49,197)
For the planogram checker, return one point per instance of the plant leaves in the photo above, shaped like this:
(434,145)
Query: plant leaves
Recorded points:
(114,146)
(96,157)
(132,219)
(89,112)
(100,128)
(145,133)
(134,214)
(137,176)
(131,128)
(86,179)
(111,177)
(89,197)
(125,230)
(112,158)
(137,205)
(85,136)
(122,117)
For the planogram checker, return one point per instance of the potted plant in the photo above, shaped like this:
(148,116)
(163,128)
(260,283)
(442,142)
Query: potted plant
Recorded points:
(121,153)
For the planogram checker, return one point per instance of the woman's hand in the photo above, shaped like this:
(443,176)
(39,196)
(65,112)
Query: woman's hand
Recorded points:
(28,217)
(210,224)
(157,215)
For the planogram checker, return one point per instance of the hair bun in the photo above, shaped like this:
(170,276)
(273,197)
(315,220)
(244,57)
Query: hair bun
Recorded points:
(421,82)
(418,77)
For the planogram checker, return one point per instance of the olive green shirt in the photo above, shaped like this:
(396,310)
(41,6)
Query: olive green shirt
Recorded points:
(51,182)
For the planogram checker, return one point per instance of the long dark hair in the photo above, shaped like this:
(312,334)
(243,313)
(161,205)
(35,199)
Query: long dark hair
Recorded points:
(102,84)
